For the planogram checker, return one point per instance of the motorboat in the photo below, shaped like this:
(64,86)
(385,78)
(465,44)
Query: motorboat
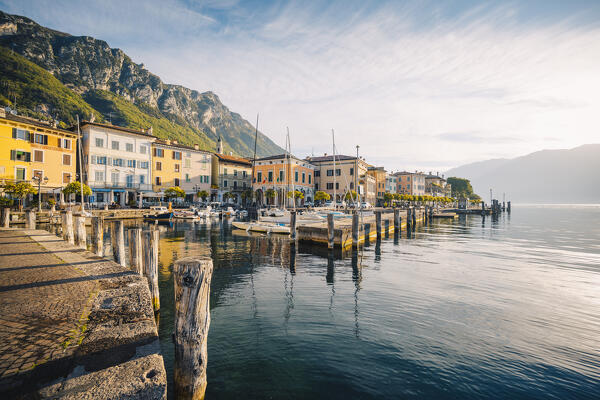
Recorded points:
(159,213)
(262,227)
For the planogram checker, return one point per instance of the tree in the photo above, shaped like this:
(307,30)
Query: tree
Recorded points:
(75,188)
(387,196)
(461,188)
(351,196)
(203,194)
(296,194)
(20,191)
(270,194)
(320,196)
(174,192)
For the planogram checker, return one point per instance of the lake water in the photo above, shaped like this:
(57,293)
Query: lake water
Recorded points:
(471,308)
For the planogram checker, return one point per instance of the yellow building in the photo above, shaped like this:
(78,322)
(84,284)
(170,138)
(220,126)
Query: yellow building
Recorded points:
(30,148)
(166,165)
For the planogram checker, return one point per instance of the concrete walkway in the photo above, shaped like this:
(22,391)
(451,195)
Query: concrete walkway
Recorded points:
(73,325)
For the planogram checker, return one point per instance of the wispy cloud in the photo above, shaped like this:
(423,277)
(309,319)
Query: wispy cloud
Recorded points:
(388,77)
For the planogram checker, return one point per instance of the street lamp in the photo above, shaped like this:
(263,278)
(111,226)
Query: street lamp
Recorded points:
(38,179)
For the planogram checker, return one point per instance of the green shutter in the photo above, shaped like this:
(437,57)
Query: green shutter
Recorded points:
(14,131)
(13,153)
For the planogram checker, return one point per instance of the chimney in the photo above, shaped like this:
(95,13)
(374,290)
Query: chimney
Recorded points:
(149,131)
(168,141)
(174,141)
(196,146)
(92,117)
(324,154)
(429,172)
(231,153)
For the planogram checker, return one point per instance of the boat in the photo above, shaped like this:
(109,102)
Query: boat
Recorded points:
(262,227)
(160,213)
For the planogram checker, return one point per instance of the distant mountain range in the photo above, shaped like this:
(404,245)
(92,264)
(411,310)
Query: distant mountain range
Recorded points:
(51,74)
(547,176)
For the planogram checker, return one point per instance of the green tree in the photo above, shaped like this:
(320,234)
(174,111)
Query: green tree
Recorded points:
(320,196)
(174,192)
(20,191)
(75,188)
(296,194)
(203,194)
(387,196)
(461,188)
(351,196)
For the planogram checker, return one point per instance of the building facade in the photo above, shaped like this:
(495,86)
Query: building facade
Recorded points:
(437,186)
(380,180)
(283,173)
(412,183)
(38,153)
(391,183)
(117,163)
(340,179)
(230,177)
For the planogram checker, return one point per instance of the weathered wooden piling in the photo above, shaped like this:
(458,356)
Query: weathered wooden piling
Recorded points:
(30,219)
(408,220)
(397,220)
(378,224)
(355,229)
(386,228)
(414,219)
(330,231)
(67,226)
(6,217)
(367,229)
(293,232)
(97,238)
(136,262)
(80,234)
(117,239)
(191,278)
(151,265)
(430,214)
(508,206)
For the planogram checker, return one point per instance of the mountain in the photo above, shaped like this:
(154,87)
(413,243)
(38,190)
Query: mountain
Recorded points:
(106,82)
(547,176)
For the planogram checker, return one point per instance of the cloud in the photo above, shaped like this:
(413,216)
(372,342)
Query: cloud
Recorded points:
(387,76)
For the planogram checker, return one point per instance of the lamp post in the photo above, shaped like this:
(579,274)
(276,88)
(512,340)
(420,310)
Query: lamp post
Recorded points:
(38,179)
(356,177)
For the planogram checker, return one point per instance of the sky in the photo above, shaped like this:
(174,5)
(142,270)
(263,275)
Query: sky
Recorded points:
(425,85)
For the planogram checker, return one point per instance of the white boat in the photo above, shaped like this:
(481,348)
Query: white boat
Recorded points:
(262,227)
(229,212)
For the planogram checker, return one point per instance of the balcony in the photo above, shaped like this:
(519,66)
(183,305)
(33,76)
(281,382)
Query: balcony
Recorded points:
(121,185)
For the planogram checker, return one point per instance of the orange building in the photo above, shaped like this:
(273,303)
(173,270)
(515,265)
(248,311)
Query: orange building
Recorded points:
(283,174)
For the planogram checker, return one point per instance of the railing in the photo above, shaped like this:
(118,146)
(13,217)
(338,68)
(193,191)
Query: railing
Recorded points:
(121,185)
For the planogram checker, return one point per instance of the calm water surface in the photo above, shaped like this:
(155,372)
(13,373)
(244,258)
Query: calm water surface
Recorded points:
(506,309)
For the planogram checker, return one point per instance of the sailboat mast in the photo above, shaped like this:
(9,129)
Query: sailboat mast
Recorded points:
(334,180)
(80,163)
(287,159)
(294,175)
(254,157)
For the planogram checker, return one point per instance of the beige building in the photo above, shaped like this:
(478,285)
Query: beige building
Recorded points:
(412,183)
(229,174)
(341,179)
(380,180)
(437,186)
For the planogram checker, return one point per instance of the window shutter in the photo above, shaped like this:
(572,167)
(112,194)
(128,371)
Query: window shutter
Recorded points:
(31,137)
(45,139)
(28,157)
(13,153)
(93,159)
(154,151)
(14,133)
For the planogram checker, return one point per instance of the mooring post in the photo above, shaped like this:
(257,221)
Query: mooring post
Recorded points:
(117,239)
(355,229)
(430,213)
(30,219)
(367,229)
(378,224)
(293,224)
(508,206)
(151,265)
(67,226)
(80,234)
(97,236)
(414,219)
(330,232)
(397,219)
(386,228)
(408,220)
(6,217)
(191,278)
(135,250)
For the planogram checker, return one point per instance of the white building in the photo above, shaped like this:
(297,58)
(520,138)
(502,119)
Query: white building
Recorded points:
(117,162)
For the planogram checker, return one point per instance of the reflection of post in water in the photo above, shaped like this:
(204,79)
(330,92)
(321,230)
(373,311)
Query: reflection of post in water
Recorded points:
(330,268)
(191,278)
(378,250)
(357,278)
(293,258)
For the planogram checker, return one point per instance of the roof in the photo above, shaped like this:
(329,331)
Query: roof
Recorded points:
(233,159)
(177,145)
(407,173)
(338,157)
(431,176)
(116,128)
(34,122)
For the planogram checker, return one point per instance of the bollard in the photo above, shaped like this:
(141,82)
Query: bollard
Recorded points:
(191,278)
(135,250)
(30,219)
(386,228)
(6,217)
(408,220)
(117,240)
(430,213)
(397,220)
(378,224)
(67,226)
(293,225)
(355,229)
(367,229)
(97,236)
(508,206)
(330,232)
(151,265)
(80,234)
(414,219)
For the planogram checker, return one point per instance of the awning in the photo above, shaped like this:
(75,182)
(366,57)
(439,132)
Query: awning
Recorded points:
(108,190)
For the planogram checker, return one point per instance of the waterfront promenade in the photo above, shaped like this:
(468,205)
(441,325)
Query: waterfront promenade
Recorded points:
(73,325)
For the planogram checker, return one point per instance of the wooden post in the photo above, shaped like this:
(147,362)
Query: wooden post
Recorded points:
(6,217)
(135,250)
(378,224)
(386,228)
(508,206)
(151,265)
(98,236)
(408,220)
(330,231)
(117,240)
(414,219)
(293,224)
(367,229)
(355,229)
(80,234)
(67,226)
(30,219)
(397,220)
(191,278)
(430,213)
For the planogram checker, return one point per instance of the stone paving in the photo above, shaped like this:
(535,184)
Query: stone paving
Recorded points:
(69,320)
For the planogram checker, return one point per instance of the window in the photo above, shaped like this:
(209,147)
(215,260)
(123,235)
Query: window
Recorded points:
(129,180)
(259,177)
(338,172)
(235,172)
(187,177)
(337,186)
(143,149)
(329,172)
(225,183)
(129,147)
(19,155)
(408,178)
(157,181)
(41,139)
(99,142)
(296,176)
(351,185)
(142,179)
(131,163)
(66,159)
(21,134)
(206,179)
(115,145)
(143,165)
(280,175)
(330,185)
(351,171)
(188,154)
(244,174)
(317,173)
(224,171)
(38,156)
(235,184)
(101,160)
(188,163)
(66,177)
(159,152)
(117,162)
(158,166)
(176,167)
(176,155)
(303,177)
(408,187)
(114,178)
(309,178)
(66,143)
(99,176)
(316,186)
(270,176)
(20,173)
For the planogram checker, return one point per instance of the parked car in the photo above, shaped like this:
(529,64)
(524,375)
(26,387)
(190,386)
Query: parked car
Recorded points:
(365,204)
